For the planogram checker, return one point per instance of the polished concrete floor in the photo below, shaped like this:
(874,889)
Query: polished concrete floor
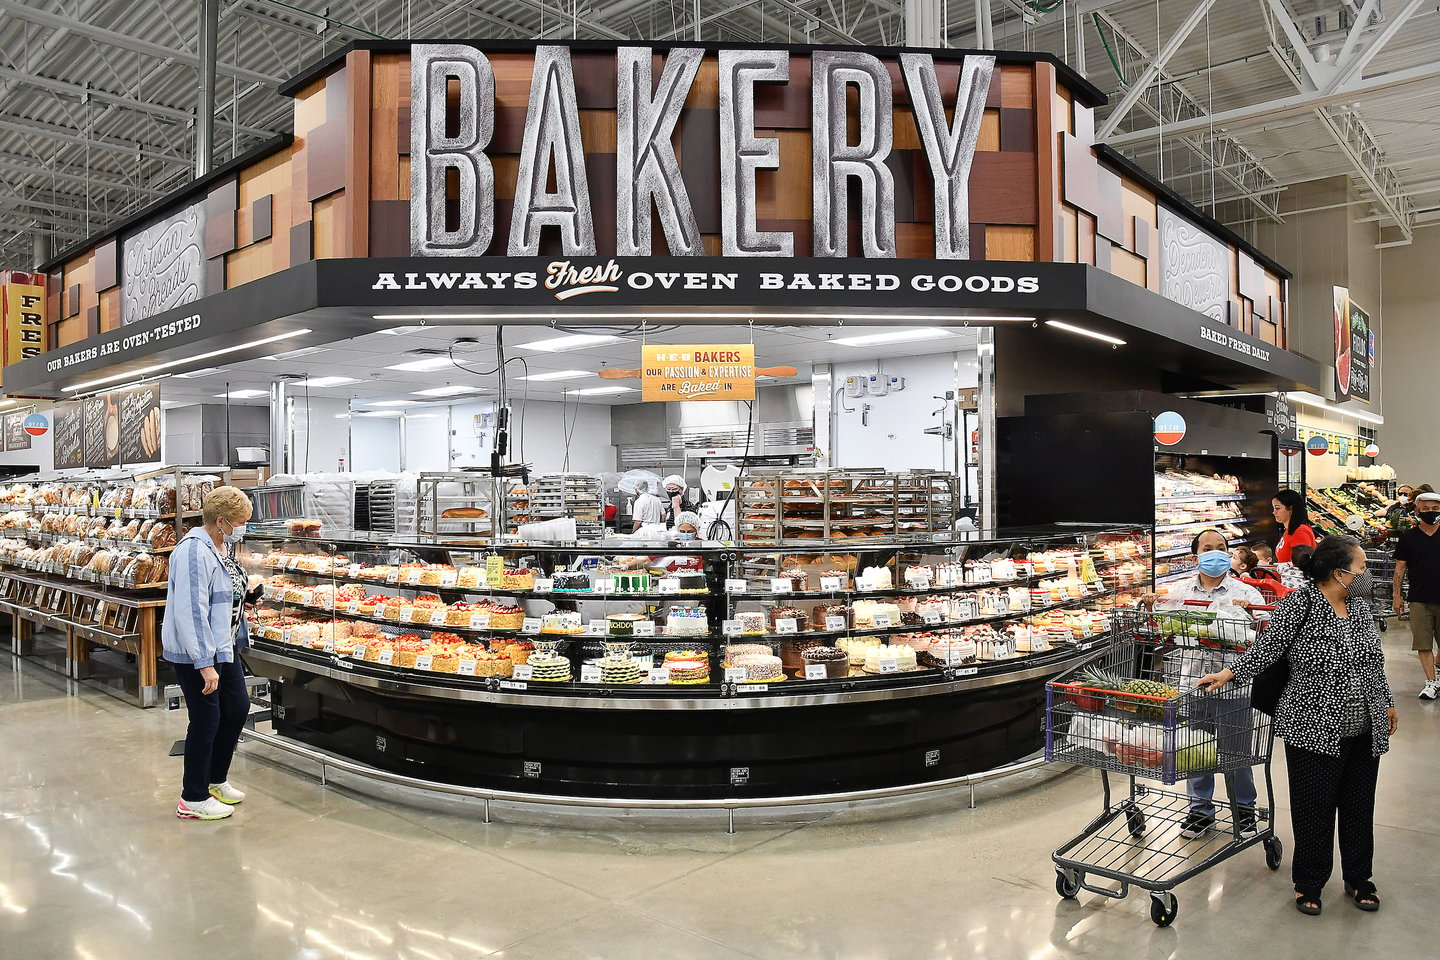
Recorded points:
(94,865)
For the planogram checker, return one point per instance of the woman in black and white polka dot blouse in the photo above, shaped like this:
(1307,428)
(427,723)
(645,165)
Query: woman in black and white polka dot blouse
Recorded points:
(1336,716)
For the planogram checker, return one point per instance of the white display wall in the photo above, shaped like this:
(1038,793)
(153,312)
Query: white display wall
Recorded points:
(891,431)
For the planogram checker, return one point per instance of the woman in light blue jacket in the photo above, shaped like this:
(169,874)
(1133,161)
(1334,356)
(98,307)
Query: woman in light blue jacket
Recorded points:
(203,633)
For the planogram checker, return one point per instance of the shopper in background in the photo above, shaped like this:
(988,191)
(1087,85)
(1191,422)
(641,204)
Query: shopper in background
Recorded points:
(1403,505)
(1336,716)
(203,633)
(1245,563)
(1288,507)
(1417,553)
(1226,596)
(648,508)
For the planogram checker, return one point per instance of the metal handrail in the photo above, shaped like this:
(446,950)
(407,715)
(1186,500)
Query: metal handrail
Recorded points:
(328,761)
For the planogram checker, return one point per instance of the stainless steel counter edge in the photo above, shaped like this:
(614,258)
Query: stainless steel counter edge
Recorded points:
(675,702)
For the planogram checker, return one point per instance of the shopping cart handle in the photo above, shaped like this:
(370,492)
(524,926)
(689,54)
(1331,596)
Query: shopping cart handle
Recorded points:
(1246,606)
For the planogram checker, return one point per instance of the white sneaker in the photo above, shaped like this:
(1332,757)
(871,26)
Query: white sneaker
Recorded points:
(207,809)
(1430,690)
(226,793)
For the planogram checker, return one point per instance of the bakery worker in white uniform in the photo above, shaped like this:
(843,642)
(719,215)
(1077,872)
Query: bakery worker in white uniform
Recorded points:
(648,509)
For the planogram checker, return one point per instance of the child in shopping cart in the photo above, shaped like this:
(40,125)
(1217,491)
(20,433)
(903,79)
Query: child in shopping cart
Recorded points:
(1229,598)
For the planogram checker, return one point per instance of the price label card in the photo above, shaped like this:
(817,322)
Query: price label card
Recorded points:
(604,585)
(736,675)
(330,645)
(407,614)
(589,673)
(920,583)
(393,576)
(750,688)
(669,585)
(531,625)
(513,684)
(494,569)
(449,578)
(1084,646)
(736,586)
(644,628)
(352,606)
(967,671)
(786,625)
(835,623)
(437,618)
(595,628)
(882,620)
(888,665)
(360,650)
(522,671)
(481,621)
(353,570)
(291,563)
(466,668)
(387,657)
(285,635)
(930,616)
(731,628)
(781,585)
(544,585)
(816,671)
(831,584)
(660,675)
(412,577)
(424,661)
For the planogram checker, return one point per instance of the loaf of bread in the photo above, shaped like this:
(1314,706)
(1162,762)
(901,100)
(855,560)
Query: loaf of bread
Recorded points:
(464,513)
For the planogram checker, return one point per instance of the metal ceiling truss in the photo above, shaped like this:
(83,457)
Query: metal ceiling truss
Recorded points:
(1169,103)
(1329,75)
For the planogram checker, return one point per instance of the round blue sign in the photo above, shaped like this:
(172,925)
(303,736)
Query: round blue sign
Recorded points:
(36,425)
(1317,446)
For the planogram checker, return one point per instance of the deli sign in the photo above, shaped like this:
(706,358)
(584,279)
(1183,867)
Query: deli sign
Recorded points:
(852,134)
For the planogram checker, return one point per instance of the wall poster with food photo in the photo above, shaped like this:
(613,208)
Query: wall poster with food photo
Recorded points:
(100,451)
(139,417)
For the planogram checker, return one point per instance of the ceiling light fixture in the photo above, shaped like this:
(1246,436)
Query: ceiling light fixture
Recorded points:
(452,390)
(1092,334)
(598,391)
(381,413)
(196,374)
(325,381)
(293,354)
(246,394)
(423,365)
(572,342)
(154,367)
(895,336)
(390,403)
(559,375)
(401,331)
(1319,403)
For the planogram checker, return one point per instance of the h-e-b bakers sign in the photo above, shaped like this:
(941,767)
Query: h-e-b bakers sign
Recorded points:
(851,137)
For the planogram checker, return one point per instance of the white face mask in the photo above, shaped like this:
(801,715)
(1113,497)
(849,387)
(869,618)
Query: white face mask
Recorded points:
(236,534)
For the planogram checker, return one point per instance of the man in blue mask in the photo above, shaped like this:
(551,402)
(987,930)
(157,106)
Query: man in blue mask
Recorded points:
(1213,585)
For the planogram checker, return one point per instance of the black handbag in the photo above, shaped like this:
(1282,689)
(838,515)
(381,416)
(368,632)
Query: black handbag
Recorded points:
(1269,684)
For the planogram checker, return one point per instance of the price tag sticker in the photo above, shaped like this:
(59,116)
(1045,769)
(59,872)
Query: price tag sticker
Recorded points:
(437,618)
(393,576)
(544,584)
(888,665)
(424,661)
(412,577)
(604,585)
(816,671)
(736,586)
(882,620)
(1082,647)
(644,628)
(787,625)
(530,625)
(659,674)
(292,563)
(449,578)
(835,623)
(781,585)
(495,569)
(522,671)
(595,628)
(930,616)
(387,657)
(466,668)
(360,650)
(831,584)
(967,671)
(669,585)
(481,621)
(353,606)
(736,674)
(589,673)
(330,645)
(750,688)
(731,628)
(513,684)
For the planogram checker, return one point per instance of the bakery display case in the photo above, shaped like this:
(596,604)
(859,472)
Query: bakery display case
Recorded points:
(85,556)
(1187,502)
(543,665)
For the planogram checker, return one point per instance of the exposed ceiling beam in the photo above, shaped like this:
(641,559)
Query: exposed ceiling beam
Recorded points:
(1252,114)
(114,38)
(1152,70)
(1350,68)
(36,128)
(27,165)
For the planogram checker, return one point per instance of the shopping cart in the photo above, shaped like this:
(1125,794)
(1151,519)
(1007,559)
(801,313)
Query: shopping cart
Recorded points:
(1158,726)
(1380,561)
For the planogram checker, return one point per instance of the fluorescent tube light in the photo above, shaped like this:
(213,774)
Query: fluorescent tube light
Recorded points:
(241,394)
(401,331)
(325,381)
(816,319)
(895,336)
(293,354)
(381,413)
(572,342)
(196,374)
(423,364)
(1092,334)
(155,367)
(453,390)
(599,391)
(1319,403)
(391,403)
(560,375)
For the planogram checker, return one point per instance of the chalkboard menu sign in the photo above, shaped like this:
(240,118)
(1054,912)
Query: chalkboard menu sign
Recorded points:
(139,411)
(96,451)
(69,436)
(15,436)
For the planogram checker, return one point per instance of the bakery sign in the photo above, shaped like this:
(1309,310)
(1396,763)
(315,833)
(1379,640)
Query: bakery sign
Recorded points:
(852,132)
(696,371)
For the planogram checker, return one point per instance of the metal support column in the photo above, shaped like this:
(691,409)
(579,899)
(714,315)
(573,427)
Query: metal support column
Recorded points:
(205,102)
(39,248)
(922,24)
(279,426)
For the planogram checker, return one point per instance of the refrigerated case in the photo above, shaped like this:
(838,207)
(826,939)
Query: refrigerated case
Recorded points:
(626,669)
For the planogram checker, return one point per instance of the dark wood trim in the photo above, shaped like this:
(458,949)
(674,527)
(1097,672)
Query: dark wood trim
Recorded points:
(1047,246)
(358,149)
